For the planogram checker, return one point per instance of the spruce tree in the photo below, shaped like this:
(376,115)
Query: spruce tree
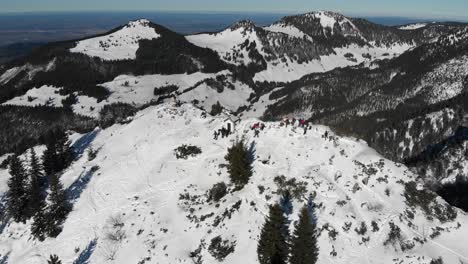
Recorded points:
(58,208)
(304,248)
(17,199)
(40,225)
(58,153)
(49,157)
(35,192)
(272,247)
(239,167)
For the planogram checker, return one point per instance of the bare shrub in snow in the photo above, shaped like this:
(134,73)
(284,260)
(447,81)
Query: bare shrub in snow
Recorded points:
(394,236)
(220,248)
(218,191)
(115,232)
(184,151)
(362,230)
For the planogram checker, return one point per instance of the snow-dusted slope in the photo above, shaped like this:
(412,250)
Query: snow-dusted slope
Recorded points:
(229,43)
(163,206)
(119,45)
(139,90)
(413,26)
(287,29)
(293,47)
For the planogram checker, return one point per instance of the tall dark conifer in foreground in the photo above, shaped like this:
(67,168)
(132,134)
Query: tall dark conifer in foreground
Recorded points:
(37,204)
(272,247)
(58,154)
(35,191)
(58,208)
(239,167)
(304,248)
(17,199)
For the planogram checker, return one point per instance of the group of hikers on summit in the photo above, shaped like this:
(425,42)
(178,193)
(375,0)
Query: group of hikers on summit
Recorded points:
(260,126)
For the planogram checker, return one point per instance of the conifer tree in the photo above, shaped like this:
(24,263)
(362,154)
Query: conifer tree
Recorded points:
(39,226)
(35,192)
(239,167)
(58,153)
(272,247)
(17,199)
(304,248)
(58,208)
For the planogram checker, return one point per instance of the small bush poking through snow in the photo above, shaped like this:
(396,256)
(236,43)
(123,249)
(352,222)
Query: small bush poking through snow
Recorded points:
(375,226)
(54,259)
(218,191)
(184,151)
(92,153)
(394,236)
(362,230)
(295,188)
(216,109)
(220,248)
(437,261)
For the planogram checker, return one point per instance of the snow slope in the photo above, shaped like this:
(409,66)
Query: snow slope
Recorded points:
(413,26)
(120,45)
(290,70)
(228,43)
(162,201)
(288,30)
(231,46)
(139,90)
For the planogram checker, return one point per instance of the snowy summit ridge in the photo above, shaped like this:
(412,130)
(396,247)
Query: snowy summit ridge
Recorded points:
(137,186)
(119,45)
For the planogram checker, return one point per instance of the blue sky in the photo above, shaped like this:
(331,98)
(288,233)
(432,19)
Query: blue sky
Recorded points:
(413,8)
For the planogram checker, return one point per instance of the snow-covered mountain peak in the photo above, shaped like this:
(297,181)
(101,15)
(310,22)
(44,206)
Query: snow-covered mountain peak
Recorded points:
(143,22)
(121,44)
(244,24)
(323,23)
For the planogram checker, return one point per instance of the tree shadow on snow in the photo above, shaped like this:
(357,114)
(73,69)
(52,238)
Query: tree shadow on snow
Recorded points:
(83,143)
(251,152)
(77,187)
(85,255)
(4,218)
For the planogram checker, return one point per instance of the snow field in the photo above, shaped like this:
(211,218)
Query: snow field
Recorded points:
(140,181)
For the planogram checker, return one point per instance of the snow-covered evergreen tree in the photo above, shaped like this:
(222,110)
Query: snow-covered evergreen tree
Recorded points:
(272,246)
(304,248)
(34,190)
(239,167)
(58,208)
(17,199)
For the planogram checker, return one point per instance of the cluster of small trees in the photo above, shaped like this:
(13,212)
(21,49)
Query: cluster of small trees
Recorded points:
(27,196)
(277,246)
